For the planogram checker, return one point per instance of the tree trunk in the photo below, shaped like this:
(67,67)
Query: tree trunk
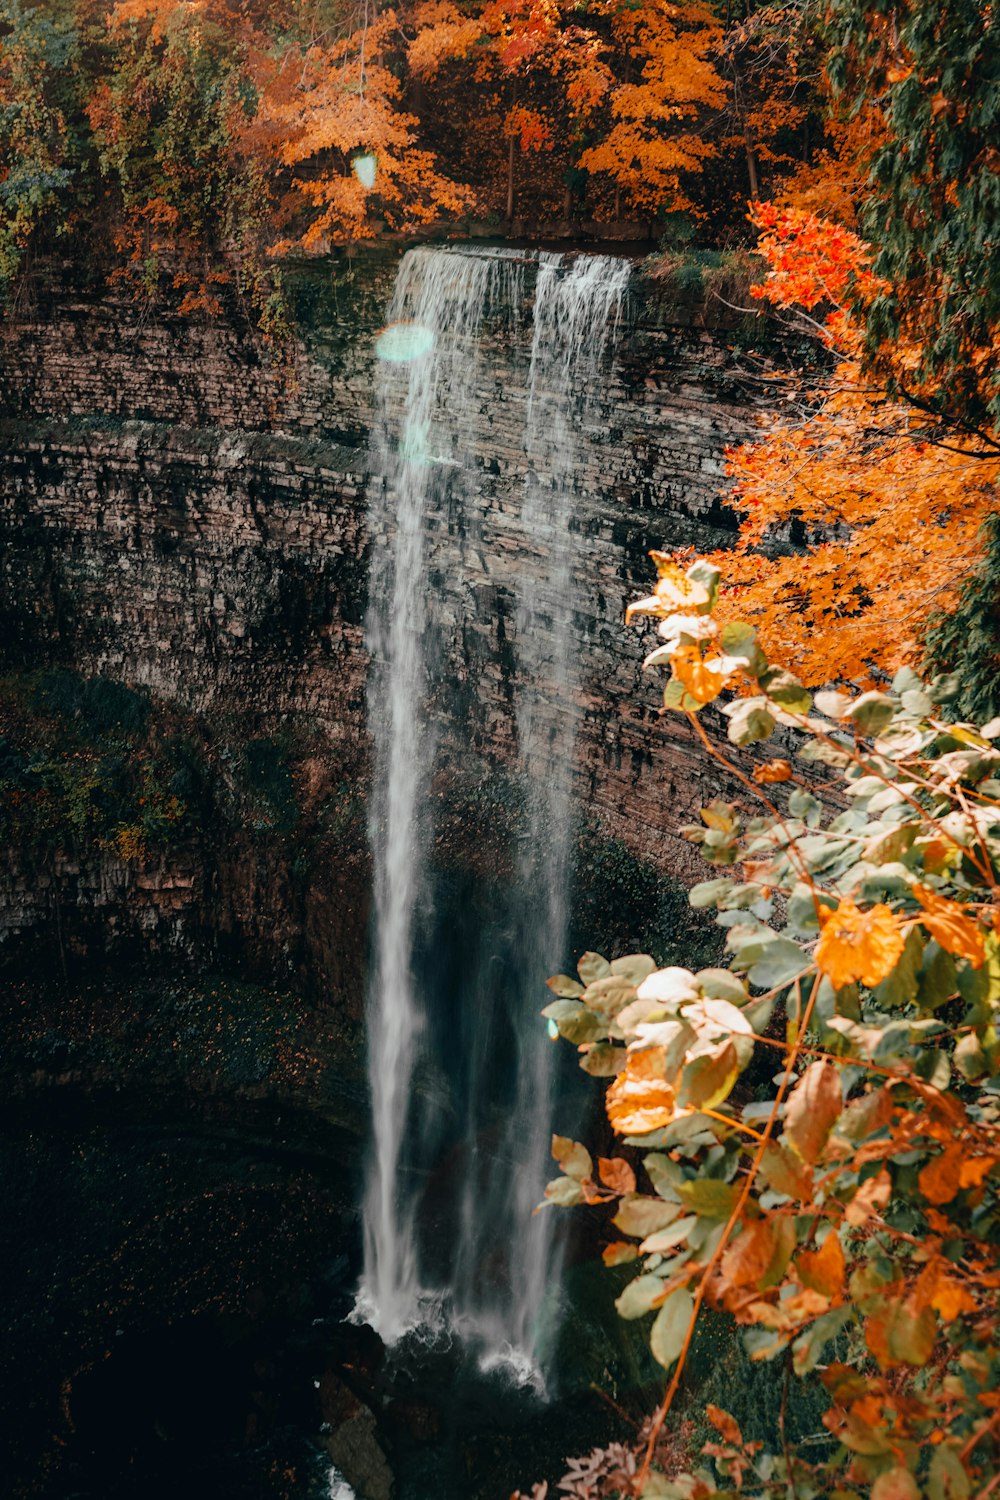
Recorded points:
(751,166)
(510,180)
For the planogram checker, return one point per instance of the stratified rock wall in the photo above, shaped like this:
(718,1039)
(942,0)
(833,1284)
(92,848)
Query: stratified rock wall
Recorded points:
(177,513)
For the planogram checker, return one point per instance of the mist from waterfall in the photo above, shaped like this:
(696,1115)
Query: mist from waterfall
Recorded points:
(491,1287)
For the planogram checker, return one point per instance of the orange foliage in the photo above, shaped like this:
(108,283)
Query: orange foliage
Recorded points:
(891,519)
(670,76)
(319,111)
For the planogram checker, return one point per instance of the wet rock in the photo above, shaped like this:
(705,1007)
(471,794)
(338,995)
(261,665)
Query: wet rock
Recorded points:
(353,1444)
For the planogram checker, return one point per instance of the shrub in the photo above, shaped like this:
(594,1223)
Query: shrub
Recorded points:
(849,1222)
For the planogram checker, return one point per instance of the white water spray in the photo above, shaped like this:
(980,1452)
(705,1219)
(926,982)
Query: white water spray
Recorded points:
(427,405)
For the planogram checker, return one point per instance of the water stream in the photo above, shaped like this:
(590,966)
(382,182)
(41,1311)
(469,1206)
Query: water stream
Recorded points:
(491,1284)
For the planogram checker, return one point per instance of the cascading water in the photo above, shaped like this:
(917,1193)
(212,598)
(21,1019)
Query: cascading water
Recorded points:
(426,375)
(491,1286)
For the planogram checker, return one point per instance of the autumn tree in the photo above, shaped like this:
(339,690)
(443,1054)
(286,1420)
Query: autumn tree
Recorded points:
(874,519)
(767,57)
(848,1221)
(38,154)
(331,121)
(167,111)
(667,78)
(931,70)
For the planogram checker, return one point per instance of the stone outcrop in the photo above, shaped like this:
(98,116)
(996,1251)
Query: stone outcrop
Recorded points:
(177,513)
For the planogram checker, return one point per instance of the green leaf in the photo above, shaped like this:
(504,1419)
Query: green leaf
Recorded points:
(807,1349)
(736,635)
(787,691)
(970,1059)
(708,892)
(675,695)
(640,1216)
(907,681)
(833,705)
(582,1025)
(895,1484)
(592,966)
(911,1335)
(802,804)
(749,721)
(664,1174)
(722,984)
(670,1328)
(668,1239)
(709,1197)
(634,966)
(937,981)
(603,1061)
(785,1173)
(572,1157)
(565,1192)
(609,995)
(781,961)
(900,987)
(871,712)
(565,987)
(946,1478)
(638,1297)
(759,1013)
(707,1080)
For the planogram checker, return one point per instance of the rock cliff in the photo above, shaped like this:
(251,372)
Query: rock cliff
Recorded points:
(181,515)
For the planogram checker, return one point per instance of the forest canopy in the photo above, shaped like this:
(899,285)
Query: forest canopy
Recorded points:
(187,148)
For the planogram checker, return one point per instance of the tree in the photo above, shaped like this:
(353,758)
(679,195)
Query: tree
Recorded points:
(884,516)
(37,151)
(330,112)
(849,1221)
(167,110)
(931,70)
(667,78)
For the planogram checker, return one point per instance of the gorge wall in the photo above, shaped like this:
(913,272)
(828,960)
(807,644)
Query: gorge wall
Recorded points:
(181,516)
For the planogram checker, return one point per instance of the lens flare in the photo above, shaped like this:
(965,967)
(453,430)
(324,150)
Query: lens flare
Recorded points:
(401,342)
(365,168)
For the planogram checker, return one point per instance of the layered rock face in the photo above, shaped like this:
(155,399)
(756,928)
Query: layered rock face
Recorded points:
(178,514)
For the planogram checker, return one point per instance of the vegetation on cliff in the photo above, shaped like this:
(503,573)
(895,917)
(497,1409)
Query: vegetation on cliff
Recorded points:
(843,1211)
(190,147)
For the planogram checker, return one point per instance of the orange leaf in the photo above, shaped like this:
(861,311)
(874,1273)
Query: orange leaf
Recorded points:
(939,1181)
(725,1425)
(871,1195)
(856,944)
(640,1099)
(619,1253)
(814,1105)
(772,771)
(974,1169)
(700,675)
(951,926)
(746,1260)
(951,1300)
(823,1270)
(616,1174)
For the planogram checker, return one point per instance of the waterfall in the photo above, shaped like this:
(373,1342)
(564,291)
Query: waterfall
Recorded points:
(426,372)
(430,394)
